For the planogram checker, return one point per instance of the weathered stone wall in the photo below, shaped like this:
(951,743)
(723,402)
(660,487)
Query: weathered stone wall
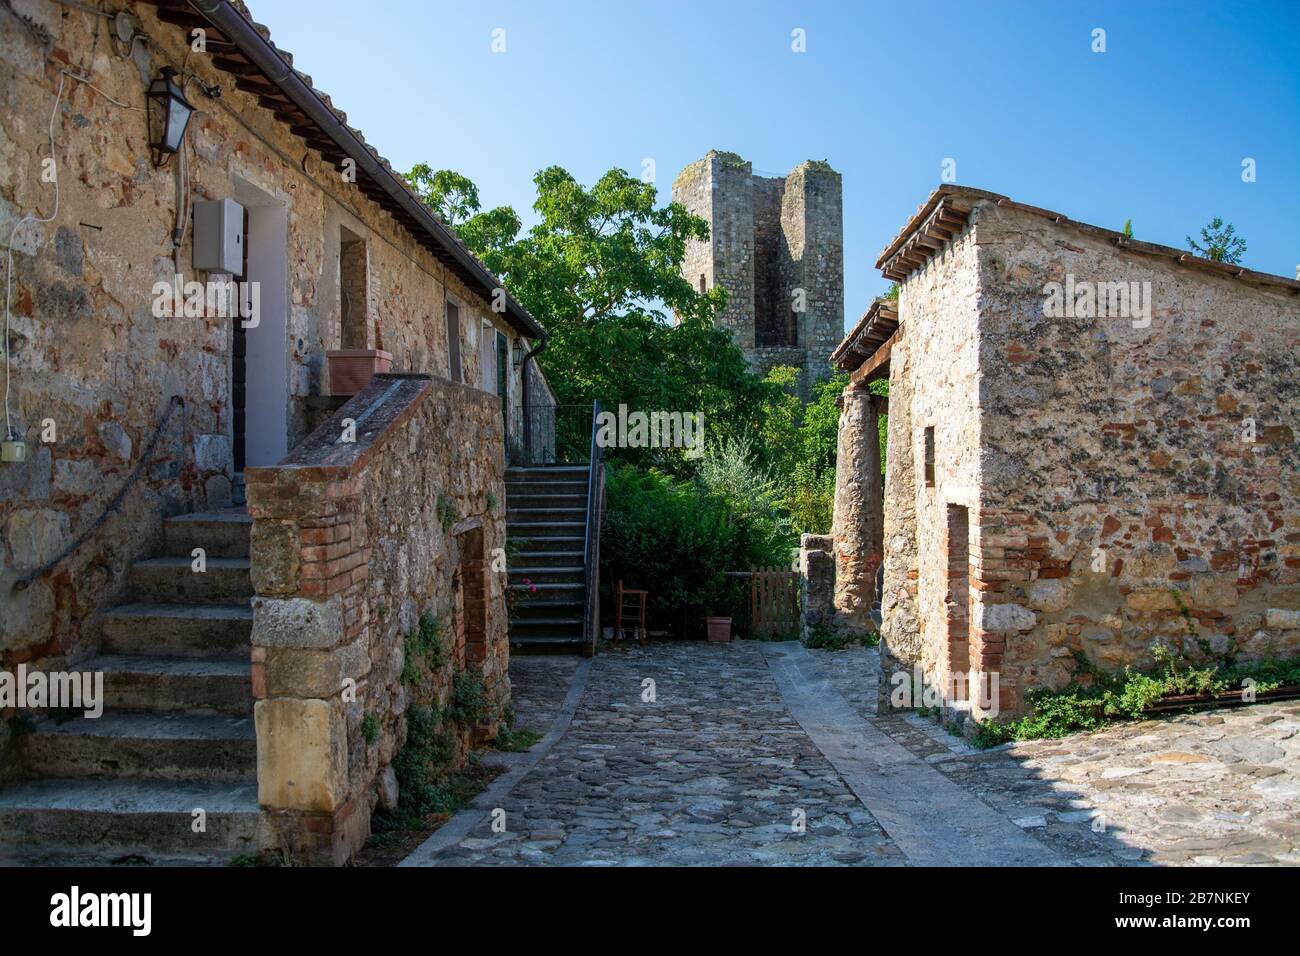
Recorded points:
(352,545)
(933,384)
(768,238)
(900,631)
(1121,505)
(88,353)
(812,218)
(541,412)
(774,325)
(1110,501)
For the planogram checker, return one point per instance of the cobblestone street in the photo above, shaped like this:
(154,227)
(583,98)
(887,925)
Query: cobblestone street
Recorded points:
(732,745)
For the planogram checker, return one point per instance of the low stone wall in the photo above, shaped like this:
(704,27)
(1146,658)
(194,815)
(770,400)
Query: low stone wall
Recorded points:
(353,544)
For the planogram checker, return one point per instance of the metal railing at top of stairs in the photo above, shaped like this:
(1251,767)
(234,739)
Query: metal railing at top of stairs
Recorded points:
(591,550)
(551,435)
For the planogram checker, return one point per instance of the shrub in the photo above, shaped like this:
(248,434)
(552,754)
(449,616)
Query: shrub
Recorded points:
(821,637)
(469,702)
(422,764)
(1102,699)
(424,648)
(677,539)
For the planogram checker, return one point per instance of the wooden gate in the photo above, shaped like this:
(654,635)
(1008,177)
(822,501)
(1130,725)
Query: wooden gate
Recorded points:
(773,601)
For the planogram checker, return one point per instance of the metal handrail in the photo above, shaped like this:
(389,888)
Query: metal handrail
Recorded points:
(24,582)
(591,552)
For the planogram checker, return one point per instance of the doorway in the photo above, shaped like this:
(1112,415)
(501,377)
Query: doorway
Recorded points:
(260,375)
(957,600)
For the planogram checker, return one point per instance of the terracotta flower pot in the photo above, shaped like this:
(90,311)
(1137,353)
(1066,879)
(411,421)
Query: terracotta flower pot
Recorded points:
(350,370)
(719,629)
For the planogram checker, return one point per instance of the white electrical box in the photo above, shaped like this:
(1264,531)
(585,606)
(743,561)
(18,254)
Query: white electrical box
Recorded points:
(219,236)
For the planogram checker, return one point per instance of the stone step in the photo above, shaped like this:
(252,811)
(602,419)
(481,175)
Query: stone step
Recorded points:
(172,580)
(547,472)
(569,643)
(516,491)
(541,575)
(524,515)
(143,745)
(222,534)
(212,685)
(565,625)
(178,630)
(566,603)
(522,502)
(102,819)
(550,592)
(537,530)
(542,558)
(569,545)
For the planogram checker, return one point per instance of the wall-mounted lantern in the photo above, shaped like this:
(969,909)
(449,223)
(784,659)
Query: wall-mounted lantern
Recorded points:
(169,114)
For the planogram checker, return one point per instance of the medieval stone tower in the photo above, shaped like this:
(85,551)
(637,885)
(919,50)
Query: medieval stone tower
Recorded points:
(777,246)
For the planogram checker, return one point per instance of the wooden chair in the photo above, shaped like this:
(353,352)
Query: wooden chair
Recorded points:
(638,598)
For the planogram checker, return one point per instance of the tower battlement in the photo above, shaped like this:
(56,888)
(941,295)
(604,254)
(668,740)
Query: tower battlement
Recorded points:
(776,244)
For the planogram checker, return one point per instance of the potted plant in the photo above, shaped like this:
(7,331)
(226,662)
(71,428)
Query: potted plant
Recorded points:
(719,629)
(350,370)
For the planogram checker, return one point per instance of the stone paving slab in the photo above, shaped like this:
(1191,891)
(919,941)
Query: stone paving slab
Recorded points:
(933,820)
(544,701)
(713,770)
(714,767)
(1207,788)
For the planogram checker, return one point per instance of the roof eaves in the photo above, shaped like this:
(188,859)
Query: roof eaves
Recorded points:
(253,41)
(947,211)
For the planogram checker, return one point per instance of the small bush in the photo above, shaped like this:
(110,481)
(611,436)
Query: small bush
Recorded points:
(820,637)
(469,702)
(447,514)
(424,648)
(421,765)
(1102,699)
(515,741)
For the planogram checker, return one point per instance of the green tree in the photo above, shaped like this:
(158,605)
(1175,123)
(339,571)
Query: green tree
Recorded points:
(601,270)
(451,196)
(1220,243)
(801,443)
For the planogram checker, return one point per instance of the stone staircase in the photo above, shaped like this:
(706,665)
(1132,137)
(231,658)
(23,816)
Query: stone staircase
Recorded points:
(546,516)
(176,734)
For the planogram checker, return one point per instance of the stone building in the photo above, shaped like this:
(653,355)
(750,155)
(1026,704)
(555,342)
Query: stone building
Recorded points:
(776,244)
(256,662)
(1091,450)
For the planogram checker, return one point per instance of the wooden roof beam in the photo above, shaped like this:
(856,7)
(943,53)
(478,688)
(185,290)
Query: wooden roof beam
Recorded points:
(875,367)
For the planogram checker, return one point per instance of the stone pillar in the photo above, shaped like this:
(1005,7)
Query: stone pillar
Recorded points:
(816,583)
(310,565)
(857,527)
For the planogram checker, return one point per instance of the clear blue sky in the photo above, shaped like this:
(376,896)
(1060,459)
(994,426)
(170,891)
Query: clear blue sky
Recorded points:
(1154,129)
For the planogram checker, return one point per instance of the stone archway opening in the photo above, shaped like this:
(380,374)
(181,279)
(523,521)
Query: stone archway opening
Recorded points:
(470,589)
